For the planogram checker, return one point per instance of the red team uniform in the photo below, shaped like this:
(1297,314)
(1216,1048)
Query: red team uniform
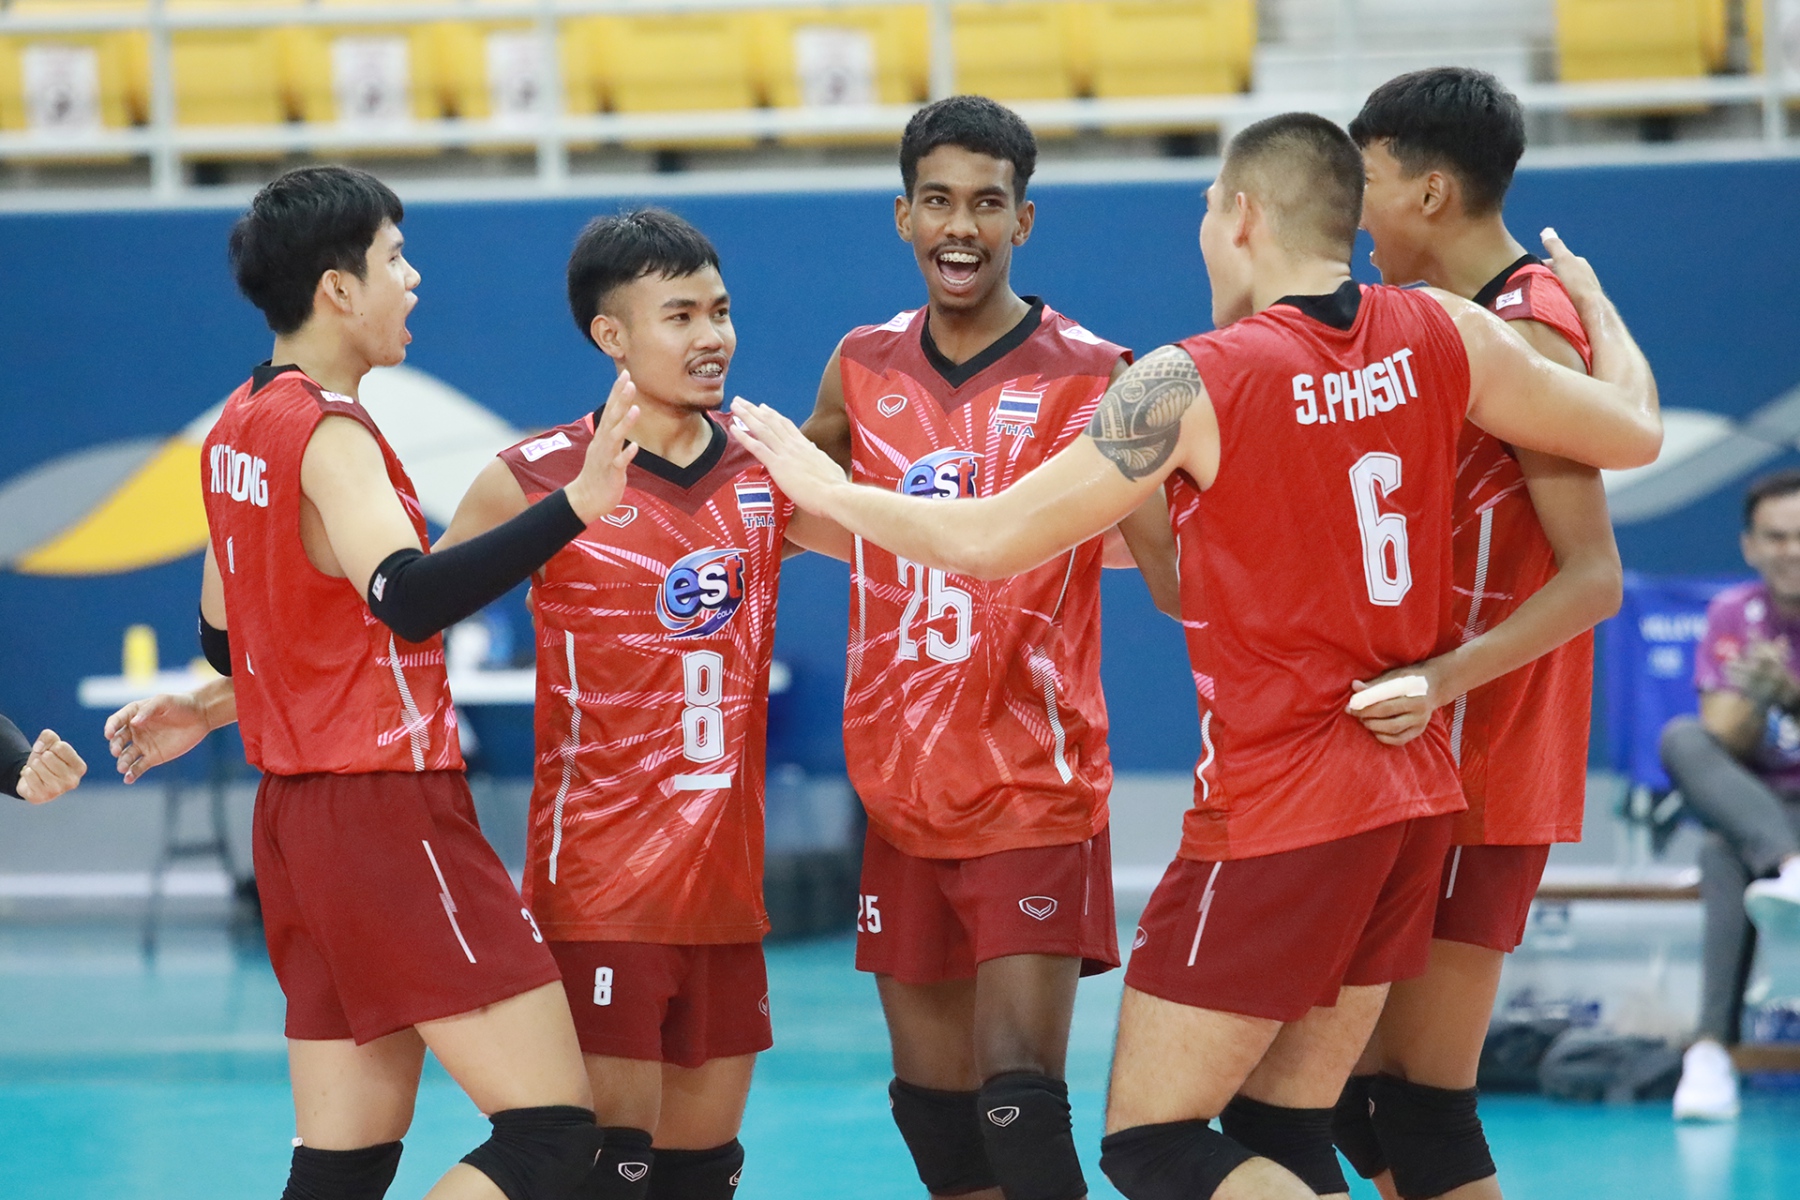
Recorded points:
(1308,858)
(1521,741)
(656,630)
(974,725)
(382,903)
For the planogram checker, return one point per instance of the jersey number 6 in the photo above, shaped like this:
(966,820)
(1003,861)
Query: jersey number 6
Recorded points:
(1386,569)
(933,593)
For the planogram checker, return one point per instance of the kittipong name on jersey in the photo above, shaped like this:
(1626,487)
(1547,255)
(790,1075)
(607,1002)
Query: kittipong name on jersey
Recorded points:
(1380,387)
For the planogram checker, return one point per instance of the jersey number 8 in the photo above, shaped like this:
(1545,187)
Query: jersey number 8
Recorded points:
(1386,568)
(702,724)
(932,592)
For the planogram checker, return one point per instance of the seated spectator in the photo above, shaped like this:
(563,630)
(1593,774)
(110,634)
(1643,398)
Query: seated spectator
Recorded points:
(37,772)
(1738,768)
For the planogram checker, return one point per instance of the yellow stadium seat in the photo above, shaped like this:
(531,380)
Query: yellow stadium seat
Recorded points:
(810,56)
(1013,50)
(65,84)
(228,76)
(1168,47)
(364,73)
(691,62)
(489,69)
(1638,39)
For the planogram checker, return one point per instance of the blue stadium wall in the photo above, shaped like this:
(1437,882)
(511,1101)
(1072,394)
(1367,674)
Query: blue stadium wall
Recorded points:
(117,325)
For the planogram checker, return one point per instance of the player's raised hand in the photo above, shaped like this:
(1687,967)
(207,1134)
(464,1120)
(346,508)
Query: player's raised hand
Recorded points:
(53,768)
(149,733)
(1575,272)
(596,491)
(804,473)
(1400,719)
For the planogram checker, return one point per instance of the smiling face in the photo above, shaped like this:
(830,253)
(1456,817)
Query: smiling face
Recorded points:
(379,302)
(1397,211)
(1772,546)
(673,334)
(963,222)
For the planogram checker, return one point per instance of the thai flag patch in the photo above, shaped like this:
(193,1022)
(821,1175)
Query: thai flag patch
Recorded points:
(755,497)
(1017,407)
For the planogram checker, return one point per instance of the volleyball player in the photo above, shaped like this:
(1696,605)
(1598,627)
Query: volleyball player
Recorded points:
(1310,447)
(974,725)
(391,924)
(655,631)
(39,771)
(1535,567)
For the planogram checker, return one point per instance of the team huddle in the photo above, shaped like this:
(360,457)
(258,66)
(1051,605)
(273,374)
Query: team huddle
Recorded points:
(1342,488)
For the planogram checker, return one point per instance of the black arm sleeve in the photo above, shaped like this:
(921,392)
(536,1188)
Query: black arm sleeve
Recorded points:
(216,645)
(15,751)
(417,595)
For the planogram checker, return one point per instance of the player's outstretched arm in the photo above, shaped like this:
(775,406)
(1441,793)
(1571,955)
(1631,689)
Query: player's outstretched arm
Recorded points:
(149,733)
(1139,434)
(1611,420)
(371,542)
(1151,545)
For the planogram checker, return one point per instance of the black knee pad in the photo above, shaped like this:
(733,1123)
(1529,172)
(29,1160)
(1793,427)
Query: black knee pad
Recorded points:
(1030,1145)
(1432,1136)
(1354,1131)
(943,1131)
(342,1174)
(1182,1160)
(622,1172)
(539,1153)
(698,1174)
(1296,1138)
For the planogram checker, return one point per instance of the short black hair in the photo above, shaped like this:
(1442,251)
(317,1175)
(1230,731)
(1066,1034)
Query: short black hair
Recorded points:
(1307,172)
(1453,117)
(976,124)
(614,250)
(1772,486)
(304,223)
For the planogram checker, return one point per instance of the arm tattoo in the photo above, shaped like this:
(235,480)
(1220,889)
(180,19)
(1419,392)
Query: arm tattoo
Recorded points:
(1138,423)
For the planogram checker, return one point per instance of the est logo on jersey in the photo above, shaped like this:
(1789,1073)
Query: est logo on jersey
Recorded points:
(701,592)
(943,475)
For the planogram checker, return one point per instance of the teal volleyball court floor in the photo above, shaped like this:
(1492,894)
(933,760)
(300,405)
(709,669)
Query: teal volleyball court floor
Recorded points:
(122,1078)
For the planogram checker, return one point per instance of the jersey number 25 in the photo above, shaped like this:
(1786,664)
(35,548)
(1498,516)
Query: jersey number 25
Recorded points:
(932,592)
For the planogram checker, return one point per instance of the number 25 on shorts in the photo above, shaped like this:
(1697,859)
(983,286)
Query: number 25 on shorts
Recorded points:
(868,917)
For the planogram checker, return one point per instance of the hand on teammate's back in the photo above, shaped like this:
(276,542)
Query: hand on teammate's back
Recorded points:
(596,491)
(1399,720)
(148,733)
(53,768)
(804,473)
(1575,272)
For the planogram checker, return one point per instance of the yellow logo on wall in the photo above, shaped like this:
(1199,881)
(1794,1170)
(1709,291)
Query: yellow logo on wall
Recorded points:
(124,506)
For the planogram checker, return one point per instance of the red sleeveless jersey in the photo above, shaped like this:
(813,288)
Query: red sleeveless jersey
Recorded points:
(1320,555)
(973,716)
(322,686)
(1522,740)
(656,628)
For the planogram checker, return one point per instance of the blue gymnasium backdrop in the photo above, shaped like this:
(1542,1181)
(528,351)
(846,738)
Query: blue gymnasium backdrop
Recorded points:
(117,330)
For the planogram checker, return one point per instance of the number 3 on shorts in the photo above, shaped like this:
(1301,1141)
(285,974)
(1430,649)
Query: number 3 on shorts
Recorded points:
(1386,569)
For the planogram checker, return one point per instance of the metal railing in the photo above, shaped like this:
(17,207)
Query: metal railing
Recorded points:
(553,130)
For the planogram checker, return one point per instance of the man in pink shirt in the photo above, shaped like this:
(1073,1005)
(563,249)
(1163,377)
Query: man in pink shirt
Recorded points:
(1738,766)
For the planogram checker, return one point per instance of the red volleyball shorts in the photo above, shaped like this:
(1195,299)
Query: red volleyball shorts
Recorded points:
(682,1005)
(383,905)
(927,920)
(1485,893)
(1278,935)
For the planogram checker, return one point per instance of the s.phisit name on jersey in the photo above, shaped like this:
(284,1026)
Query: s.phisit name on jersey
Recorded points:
(1380,387)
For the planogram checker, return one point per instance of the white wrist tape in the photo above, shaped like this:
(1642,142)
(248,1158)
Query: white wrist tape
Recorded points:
(1392,689)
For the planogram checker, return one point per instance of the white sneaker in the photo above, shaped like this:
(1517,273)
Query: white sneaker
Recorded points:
(1708,1090)
(1774,904)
